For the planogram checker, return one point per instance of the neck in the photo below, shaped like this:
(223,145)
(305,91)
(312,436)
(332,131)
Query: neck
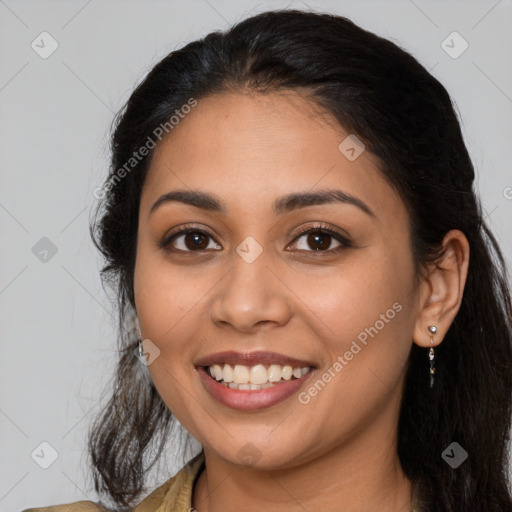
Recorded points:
(363,474)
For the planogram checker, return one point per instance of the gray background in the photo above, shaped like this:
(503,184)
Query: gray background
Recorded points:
(57,331)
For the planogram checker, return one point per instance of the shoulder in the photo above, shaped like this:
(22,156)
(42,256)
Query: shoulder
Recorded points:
(77,506)
(175,494)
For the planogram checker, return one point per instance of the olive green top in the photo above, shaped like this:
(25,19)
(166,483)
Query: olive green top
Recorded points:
(175,495)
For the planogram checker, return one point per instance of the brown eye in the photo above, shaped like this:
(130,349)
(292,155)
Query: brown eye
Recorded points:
(320,239)
(195,241)
(317,241)
(189,240)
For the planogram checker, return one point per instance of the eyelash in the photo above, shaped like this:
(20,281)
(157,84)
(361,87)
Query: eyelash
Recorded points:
(318,228)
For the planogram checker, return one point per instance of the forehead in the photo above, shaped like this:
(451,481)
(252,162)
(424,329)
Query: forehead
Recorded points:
(260,146)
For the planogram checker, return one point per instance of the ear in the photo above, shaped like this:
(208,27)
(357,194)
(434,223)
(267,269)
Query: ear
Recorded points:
(441,290)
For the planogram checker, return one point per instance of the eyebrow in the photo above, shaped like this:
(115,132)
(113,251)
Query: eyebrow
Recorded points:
(281,205)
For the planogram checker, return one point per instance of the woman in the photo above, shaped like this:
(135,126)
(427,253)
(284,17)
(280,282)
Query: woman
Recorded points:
(290,215)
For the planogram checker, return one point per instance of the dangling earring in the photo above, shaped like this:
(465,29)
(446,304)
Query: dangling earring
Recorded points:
(133,330)
(139,338)
(433,330)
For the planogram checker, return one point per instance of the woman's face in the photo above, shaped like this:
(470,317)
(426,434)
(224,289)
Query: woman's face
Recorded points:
(245,280)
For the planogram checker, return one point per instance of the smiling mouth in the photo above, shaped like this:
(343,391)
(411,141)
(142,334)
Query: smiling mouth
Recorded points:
(255,377)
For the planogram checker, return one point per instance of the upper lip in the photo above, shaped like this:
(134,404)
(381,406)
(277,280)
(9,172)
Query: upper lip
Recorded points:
(251,359)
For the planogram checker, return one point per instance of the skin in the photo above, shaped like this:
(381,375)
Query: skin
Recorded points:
(337,452)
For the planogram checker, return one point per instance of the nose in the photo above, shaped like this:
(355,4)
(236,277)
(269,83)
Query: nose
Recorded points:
(251,296)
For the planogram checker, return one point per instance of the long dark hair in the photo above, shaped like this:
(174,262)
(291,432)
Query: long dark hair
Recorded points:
(405,117)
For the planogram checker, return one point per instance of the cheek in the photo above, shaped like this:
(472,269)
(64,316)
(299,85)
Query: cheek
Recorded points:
(167,297)
(354,295)
(362,315)
(164,303)
(170,307)
(364,321)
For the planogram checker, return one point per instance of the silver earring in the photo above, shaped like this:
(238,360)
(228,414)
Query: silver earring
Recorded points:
(133,330)
(139,338)
(433,330)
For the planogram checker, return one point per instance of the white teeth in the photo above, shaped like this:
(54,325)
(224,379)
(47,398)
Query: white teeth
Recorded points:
(286,372)
(217,372)
(274,373)
(258,374)
(240,374)
(297,373)
(227,373)
(255,377)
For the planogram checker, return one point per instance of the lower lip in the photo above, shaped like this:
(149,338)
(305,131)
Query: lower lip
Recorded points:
(251,400)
